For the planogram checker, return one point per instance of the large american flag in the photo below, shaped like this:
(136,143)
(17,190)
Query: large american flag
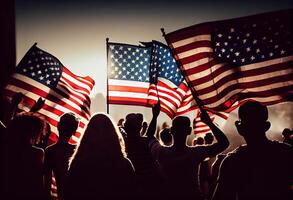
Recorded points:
(40,74)
(231,60)
(142,75)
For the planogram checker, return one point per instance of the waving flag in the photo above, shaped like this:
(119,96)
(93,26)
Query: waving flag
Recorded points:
(40,74)
(140,75)
(243,58)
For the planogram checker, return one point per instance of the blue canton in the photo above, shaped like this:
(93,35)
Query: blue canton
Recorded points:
(251,41)
(164,65)
(129,62)
(41,66)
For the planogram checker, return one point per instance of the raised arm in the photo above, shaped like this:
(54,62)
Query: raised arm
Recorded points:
(222,141)
(153,124)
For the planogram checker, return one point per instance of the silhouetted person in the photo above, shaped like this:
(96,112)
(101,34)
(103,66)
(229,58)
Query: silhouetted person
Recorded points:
(21,168)
(99,168)
(288,136)
(57,155)
(146,167)
(262,169)
(166,137)
(180,162)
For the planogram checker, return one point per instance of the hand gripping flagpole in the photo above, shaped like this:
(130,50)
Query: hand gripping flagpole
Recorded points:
(193,92)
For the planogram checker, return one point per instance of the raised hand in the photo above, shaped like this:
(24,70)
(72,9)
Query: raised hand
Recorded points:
(38,105)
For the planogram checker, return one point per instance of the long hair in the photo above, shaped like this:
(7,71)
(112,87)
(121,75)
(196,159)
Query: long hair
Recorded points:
(101,138)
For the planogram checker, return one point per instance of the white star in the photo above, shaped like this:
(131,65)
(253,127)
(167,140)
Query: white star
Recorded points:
(282,51)
(237,53)
(252,58)
(220,35)
(242,59)
(33,74)
(41,78)
(48,82)
(257,51)
(248,49)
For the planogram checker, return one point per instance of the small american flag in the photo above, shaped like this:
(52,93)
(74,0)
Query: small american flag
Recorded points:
(142,75)
(40,74)
(245,58)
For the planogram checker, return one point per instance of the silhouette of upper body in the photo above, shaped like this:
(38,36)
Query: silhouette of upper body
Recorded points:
(261,169)
(146,167)
(21,168)
(180,162)
(99,168)
(57,155)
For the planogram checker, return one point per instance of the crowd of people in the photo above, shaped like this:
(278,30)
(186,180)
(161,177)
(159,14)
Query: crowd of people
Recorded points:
(128,160)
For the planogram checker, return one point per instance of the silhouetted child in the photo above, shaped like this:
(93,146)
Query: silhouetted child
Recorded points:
(180,162)
(21,168)
(57,155)
(262,169)
(99,168)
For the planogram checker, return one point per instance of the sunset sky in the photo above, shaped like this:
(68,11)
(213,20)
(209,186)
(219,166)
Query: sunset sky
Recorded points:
(76,31)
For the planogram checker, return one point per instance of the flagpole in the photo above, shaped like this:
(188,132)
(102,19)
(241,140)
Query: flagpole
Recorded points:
(107,94)
(193,92)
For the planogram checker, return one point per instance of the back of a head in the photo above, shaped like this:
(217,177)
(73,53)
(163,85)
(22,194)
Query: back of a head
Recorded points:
(166,136)
(26,126)
(133,124)
(253,111)
(209,138)
(103,135)
(253,121)
(198,141)
(67,125)
(180,126)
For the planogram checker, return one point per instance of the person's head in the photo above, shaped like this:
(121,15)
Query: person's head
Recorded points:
(252,123)
(208,138)
(166,136)
(101,138)
(287,133)
(180,128)
(26,128)
(67,125)
(198,141)
(133,124)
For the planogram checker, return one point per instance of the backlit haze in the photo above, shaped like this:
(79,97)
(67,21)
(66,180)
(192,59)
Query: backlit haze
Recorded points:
(76,32)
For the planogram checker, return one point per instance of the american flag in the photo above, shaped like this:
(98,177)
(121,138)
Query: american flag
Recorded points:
(140,75)
(232,60)
(40,74)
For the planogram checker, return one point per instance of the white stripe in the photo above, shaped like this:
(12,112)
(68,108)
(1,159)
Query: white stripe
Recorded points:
(195,51)
(128,83)
(127,94)
(160,89)
(191,40)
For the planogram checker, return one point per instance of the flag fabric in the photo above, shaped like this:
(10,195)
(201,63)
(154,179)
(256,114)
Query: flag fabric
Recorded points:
(237,59)
(142,75)
(40,74)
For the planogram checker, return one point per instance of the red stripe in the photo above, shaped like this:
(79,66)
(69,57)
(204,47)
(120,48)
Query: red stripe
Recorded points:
(188,32)
(81,79)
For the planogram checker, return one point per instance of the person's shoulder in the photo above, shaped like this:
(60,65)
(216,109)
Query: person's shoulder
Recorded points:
(281,146)
(235,154)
